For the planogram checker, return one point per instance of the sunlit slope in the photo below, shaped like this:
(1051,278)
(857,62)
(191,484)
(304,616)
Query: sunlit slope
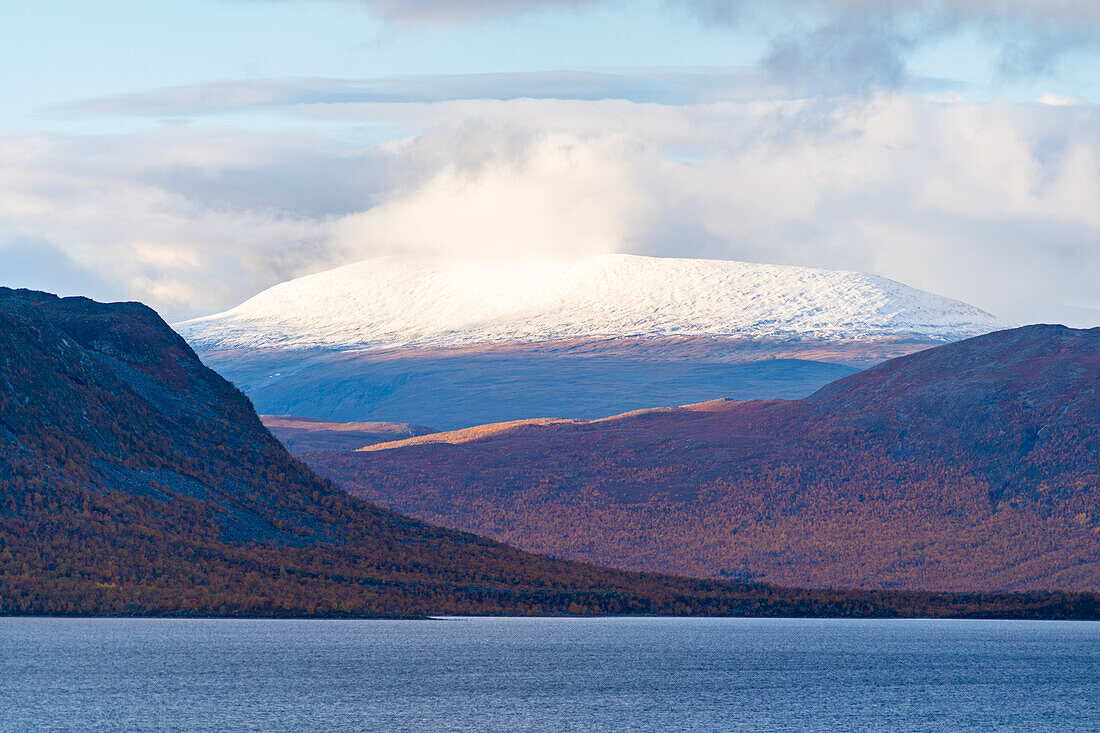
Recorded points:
(973,465)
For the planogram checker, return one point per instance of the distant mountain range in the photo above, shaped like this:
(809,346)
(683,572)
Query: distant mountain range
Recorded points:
(973,465)
(135,481)
(453,344)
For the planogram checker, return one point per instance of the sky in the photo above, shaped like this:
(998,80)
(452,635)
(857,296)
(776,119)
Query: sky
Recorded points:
(189,154)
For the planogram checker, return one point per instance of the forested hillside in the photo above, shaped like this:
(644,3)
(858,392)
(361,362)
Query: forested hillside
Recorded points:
(974,465)
(133,480)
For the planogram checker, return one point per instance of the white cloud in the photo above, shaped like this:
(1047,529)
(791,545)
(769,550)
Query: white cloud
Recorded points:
(118,209)
(1061,100)
(551,194)
(990,203)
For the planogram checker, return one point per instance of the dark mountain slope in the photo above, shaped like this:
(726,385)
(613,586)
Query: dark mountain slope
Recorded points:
(134,480)
(1021,406)
(974,465)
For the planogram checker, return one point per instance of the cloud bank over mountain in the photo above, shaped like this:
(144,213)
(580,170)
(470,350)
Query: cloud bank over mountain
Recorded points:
(867,135)
(990,203)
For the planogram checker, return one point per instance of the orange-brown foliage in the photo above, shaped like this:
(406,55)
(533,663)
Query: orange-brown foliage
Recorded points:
(970,466)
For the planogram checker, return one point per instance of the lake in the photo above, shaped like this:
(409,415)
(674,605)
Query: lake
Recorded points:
(553,675)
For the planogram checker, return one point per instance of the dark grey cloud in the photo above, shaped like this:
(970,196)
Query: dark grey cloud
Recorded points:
(856,44)
(852,53)
(991,12)
(812,37)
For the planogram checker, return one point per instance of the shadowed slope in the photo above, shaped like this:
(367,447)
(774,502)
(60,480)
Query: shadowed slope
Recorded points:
(971,465)
(456,388)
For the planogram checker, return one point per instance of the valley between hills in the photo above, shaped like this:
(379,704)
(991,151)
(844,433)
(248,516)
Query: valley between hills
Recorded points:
(137,482)
(900,456)
(970,466)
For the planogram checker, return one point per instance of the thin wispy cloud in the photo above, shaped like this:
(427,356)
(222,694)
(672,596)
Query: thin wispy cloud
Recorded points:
(651,85)
(463,11)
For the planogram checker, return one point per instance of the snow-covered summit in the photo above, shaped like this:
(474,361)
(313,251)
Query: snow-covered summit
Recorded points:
(394,301)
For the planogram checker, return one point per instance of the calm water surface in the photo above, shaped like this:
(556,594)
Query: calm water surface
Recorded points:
(552,675)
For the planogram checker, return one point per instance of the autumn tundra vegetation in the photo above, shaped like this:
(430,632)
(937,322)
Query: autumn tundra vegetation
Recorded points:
(135,481)
(969,466)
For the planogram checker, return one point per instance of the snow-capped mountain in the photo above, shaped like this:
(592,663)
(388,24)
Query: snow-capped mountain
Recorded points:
(453,344)
(390,301)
